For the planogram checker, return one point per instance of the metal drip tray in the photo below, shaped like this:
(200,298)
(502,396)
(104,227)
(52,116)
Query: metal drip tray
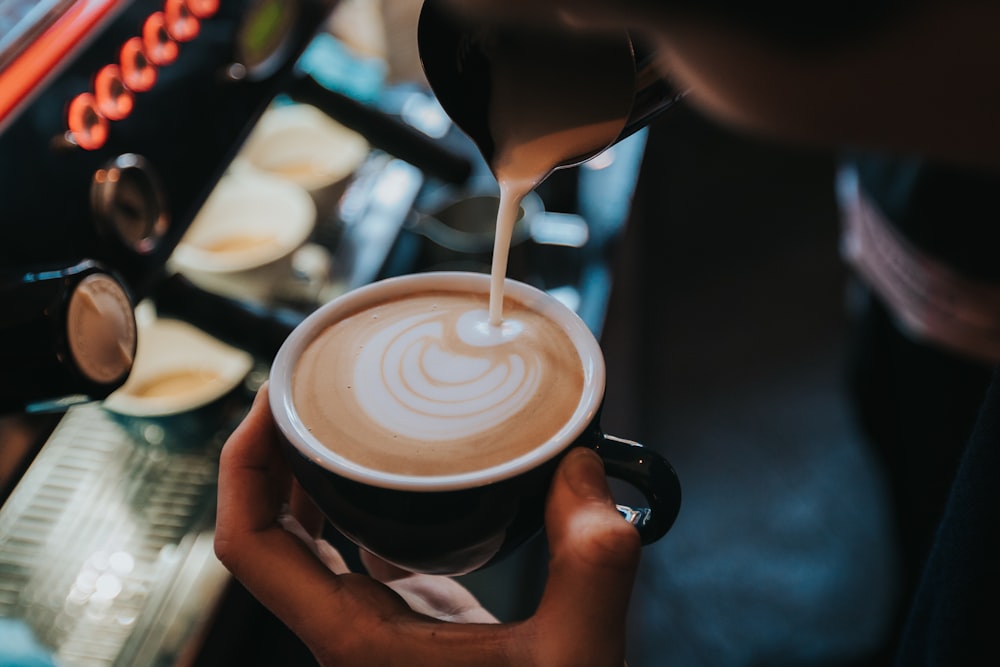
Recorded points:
(105,546)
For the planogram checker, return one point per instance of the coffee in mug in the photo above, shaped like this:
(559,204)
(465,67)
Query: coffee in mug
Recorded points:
(429,436)
(423,385)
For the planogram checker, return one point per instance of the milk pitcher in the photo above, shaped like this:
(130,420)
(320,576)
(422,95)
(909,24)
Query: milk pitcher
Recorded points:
(548,77)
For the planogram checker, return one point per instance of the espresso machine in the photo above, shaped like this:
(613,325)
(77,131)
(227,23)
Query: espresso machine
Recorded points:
(118,121)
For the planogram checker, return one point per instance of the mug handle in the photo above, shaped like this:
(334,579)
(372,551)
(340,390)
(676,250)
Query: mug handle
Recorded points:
(652,475)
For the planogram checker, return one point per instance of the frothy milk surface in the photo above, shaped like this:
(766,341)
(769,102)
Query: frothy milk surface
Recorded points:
(425,385)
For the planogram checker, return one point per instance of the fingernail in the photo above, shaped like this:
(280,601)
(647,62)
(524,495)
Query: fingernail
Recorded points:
(585,475)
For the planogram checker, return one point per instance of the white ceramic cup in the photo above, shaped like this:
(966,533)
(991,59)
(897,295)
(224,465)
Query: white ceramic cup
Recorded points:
(301,144)
(242,240)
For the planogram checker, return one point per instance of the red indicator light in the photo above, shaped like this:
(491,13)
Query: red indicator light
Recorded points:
(138,72)
(114,100)
(182,25)
(157,43)
(87,127)
(203,9)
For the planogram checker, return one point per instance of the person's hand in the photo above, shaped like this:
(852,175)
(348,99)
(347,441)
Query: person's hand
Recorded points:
(395,618)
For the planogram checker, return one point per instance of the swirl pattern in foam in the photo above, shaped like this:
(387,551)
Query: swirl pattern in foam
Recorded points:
(425,385)
(414,378)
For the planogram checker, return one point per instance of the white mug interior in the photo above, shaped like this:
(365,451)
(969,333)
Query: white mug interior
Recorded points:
(288,421)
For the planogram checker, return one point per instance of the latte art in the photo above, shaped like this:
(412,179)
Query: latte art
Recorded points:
(436,378)
(425,385)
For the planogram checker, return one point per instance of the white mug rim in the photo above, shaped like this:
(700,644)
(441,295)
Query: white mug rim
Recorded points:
(294,431)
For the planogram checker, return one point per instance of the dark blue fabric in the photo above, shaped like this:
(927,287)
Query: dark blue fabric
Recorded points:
(955,618)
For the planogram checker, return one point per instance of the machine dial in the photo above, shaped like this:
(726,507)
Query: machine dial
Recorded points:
(101,329)
(68,335)
(129,204)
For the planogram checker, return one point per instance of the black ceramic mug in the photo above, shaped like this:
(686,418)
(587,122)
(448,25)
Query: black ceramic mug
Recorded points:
(443,517)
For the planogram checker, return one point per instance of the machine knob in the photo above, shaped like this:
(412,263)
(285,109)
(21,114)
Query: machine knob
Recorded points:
(69,335)
(129,204)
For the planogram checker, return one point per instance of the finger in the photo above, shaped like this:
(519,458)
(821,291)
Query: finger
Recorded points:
(254,482)
(439,597)
(380,569)
(320,548)
(253,475)
(595,554)
(305,511)
(331,557)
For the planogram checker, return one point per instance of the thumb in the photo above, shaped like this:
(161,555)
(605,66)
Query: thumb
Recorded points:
(594,557)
